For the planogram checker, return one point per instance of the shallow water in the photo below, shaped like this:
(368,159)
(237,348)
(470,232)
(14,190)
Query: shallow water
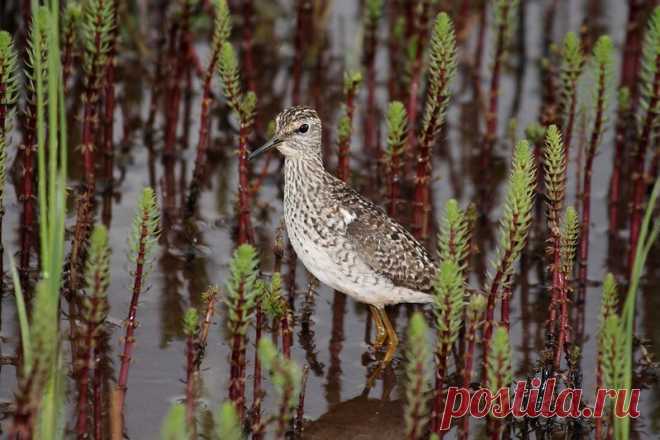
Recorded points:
(336,348)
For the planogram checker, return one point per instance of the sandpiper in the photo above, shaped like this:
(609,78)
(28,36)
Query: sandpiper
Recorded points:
(342,238)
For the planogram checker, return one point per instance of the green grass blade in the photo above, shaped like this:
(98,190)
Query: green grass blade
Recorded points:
(22,318)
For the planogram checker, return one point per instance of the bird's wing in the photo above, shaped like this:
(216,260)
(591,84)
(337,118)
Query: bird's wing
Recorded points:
(383,244)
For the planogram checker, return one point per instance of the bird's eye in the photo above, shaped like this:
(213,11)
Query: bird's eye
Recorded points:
(303,128)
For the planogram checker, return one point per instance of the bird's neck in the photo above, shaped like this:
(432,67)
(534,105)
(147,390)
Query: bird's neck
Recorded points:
(303,167)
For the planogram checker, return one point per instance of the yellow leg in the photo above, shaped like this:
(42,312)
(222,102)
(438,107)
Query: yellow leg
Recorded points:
(381,333)
(381,319)
(392,339)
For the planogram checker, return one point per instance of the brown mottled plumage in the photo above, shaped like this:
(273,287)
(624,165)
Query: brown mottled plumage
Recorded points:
(342,238)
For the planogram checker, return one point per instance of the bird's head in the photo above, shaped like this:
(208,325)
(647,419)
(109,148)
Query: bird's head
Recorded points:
(297,134)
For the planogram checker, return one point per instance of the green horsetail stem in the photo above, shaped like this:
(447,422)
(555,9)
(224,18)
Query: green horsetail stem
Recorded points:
(240,300)
(454,236)
(286,377)
(418,357)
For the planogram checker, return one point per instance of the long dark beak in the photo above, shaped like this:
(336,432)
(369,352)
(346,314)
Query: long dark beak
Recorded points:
(265,147)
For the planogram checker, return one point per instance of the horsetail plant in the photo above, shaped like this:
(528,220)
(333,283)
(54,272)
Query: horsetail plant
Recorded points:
(498,372)
(8,95)
(609,366)
(602,73)
(442,70)
(514,227)
(570,235)
(221,32)
(240,301)
(352,82)
(144,234)
(8,80)
(416,29)
(35,72)
(191,331)
(97,25)
(228,424)
(417,372)
(94,310)
(109,99)
(179,50)
(243,105)
(396,137)
(649,103)
(174,426)
(286,377)
(257,393)
(71,21)
(449,291)
(454,236)
(505,20)
(555,164)
(474,311)
(572,63)
(568,241)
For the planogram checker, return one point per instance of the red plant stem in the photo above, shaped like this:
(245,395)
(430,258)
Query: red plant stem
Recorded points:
(394,53)
(90,111)
(570,121)
(97,386)
(505,310)
(639,181)
(191,372)
(411,109)
(109,94)
(462,16)
(563,322)
(440,373)
(471,338)
(394,184)
(343,159)
(27,196)
(244,224)
(300,410)
(424,165)
(498,279)
(131,323)
(615,180)
(491,113)
(586,187)
(256,384)
(84,374)
(370,117)
(259,180)
(479,51)
(299,45)
(247,43)
(180,60)
(237,369)
(204,329)
(287,335)
(632,48)
(203,142)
